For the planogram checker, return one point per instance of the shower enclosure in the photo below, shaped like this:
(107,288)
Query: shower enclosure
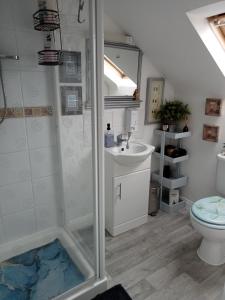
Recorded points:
(51,150)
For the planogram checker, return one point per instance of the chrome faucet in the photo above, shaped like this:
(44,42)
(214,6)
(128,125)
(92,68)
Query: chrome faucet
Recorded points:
(128,139)
(121,138)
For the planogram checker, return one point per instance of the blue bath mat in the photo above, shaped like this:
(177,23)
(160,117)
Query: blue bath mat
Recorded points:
(39,274)
(115,293)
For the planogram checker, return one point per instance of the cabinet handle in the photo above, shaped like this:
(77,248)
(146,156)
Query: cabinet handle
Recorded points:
(120,193)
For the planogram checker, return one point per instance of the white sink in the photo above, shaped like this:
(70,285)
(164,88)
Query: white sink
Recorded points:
(136,153)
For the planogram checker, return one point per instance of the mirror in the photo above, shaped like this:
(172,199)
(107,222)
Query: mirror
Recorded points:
(122,71)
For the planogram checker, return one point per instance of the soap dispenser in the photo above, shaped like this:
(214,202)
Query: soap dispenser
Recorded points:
(109,137)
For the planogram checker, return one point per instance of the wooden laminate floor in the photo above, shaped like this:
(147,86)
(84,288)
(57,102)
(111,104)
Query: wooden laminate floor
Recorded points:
(158,261)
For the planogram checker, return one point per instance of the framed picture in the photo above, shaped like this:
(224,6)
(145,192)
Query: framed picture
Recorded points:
(213,107)
(154,98)
(210,133)
(70,69)
(71,100)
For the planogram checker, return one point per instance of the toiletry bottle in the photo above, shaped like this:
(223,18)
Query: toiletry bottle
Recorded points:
(109,137)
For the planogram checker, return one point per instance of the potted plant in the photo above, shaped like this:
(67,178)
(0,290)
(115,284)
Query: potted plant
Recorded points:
(172,112)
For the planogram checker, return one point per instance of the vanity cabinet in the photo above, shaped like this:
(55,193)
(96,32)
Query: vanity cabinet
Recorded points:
(126,195)
(130,196)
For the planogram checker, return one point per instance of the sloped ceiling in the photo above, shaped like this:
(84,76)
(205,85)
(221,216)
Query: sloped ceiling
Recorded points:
(163,31)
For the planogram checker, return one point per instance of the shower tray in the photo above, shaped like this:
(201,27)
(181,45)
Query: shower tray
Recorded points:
(44,267)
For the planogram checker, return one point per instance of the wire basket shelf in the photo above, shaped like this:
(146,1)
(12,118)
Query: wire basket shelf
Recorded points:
(49,57)
(46,20)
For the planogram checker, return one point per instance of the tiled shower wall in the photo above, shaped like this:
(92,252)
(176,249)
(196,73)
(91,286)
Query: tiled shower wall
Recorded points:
(28,151)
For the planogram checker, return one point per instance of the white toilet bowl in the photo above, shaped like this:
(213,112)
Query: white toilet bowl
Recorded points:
(208,218)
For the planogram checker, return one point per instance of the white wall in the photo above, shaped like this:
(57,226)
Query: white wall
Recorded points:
(28,150)
(201,167)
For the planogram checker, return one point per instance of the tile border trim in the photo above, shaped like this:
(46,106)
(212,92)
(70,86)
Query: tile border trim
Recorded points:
(28,111)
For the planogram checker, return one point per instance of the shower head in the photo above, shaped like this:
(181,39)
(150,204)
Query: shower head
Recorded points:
(15,57)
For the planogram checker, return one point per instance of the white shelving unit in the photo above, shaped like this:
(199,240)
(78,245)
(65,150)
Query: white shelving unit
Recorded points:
(172,160)
(170,183)
(173,135)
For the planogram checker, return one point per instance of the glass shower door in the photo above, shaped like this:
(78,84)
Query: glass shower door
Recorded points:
(51,151)
(79,107)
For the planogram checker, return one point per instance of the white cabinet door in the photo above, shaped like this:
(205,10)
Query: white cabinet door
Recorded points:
(131,194)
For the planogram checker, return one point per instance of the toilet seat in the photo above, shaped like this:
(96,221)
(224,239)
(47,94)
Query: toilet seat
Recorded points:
(208,225)
(210,212)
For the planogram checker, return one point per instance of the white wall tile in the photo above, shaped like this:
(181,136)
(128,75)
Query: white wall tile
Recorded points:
(23,205)
(6,19)
(72,123)
(78,181)
(18,225)
(46,216)
(12,85)
(119,118)
(67,6)
(46,190)
(12,135)
(37,88)
(16,197)
(14,167)
(8,45)
(41,132)
(87,129)
(72,132)
(29,43)
(44,162)
(22,12)
(8,41)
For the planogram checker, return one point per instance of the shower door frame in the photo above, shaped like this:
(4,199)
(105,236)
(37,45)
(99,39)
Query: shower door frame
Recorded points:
(97,69)
(97,116)
(98,283)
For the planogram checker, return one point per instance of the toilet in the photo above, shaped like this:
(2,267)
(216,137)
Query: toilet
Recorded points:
(208,218)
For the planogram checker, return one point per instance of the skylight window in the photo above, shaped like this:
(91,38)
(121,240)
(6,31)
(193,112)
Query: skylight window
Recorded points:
(209,22)
(217,24)
(116,75)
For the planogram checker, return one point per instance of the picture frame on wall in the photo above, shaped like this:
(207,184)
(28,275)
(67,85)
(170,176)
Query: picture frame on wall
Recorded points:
(154,98)
(213,107)
(71,100)
(70,71)
(210,133)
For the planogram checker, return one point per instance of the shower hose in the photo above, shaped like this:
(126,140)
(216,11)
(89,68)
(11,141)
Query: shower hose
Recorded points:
(2,118)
